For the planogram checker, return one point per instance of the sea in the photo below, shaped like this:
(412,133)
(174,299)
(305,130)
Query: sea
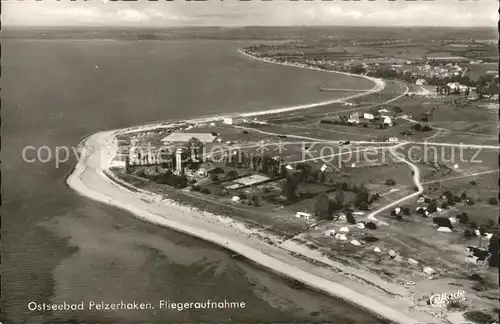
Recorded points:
(60,247)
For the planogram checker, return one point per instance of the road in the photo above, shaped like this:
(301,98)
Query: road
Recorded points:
(416,181)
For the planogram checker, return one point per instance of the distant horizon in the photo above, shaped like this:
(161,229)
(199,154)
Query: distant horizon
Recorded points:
(232,13)
(242,26)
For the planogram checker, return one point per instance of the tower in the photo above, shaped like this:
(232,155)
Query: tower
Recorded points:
(178,161)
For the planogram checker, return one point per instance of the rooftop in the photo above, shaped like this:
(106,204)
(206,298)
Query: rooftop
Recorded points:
(184,137)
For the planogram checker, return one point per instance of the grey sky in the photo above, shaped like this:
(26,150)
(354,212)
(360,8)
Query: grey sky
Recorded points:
(235,13)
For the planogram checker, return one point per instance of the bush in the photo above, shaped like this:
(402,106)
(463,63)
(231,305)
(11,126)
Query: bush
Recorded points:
(406,211)
(432,207)
(195,188)
(473,182)
(473,225)
(371,225)
(477,316)
(399,217)
(370,239)
(390,182)
(463,218)
(205,191)
(469,233)
(493,201)
(350,218)
(214,177)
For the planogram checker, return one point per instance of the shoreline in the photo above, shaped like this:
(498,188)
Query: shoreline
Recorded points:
(90,179)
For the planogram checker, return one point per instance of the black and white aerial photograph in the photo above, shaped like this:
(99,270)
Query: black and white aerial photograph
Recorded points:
(228,161)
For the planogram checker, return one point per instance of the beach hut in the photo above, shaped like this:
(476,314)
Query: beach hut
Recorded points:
(444,229)
(412,262)
(355,242)
(344,230)
(360,225)
(428,270)
(377,250)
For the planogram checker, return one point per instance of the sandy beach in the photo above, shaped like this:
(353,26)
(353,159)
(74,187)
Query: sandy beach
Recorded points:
(91,179)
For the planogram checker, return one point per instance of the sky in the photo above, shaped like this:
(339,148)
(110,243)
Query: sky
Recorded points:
(252,13)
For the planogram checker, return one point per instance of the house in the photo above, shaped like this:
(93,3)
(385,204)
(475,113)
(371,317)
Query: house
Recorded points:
(236,199)
(420,82)
(428,270)
(178,137)
(388,120)
(303,215)
(360,225)
(341,237)
(473,94)
(444,229)
(233,120)
(377,250)
(393,139)
(368,116)
(344,230)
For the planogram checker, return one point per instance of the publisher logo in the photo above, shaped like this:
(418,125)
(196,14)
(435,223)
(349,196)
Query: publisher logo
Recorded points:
(443,300)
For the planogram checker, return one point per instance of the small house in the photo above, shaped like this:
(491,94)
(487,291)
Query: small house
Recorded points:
(444,229)
(428,270)
(355,242)
(360,225)
(344,230)
(303,215)
(377,250)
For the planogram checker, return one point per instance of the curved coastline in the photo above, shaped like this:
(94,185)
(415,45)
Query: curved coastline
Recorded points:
(90,179)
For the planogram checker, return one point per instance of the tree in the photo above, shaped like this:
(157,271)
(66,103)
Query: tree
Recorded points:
(289,188)
(339,197)
(322,177)
(350,218)
(390,182)
(493,249)
(128,168)
(361,198)
(256,201)
(371,225)
(231,174)
(473,225)
(214,177)
(321,207)
(406,211)
(463,218)
(432,207)
(493,201)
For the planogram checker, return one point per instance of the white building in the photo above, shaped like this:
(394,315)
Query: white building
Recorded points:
(420,82)
(368,116)
(233,120)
